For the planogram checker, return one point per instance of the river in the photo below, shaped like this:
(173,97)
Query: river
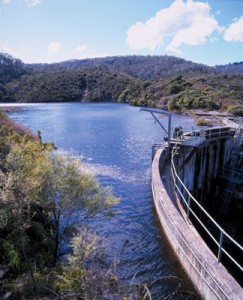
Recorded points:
(115,141)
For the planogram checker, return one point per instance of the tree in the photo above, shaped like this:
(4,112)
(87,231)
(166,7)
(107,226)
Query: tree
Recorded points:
(26,234)
(69,191)
(40,195)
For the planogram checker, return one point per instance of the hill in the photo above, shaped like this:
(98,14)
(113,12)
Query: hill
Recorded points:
(235,68)
(142,67)
(156,81)
(10,68)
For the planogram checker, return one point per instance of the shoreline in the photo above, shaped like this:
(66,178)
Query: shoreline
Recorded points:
(11,109)
(201,117)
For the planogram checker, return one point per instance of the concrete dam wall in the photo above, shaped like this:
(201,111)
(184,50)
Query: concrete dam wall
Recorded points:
(198,167)
(194,167)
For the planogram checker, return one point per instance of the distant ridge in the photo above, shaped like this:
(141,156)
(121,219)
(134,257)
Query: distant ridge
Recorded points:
(10,68)
(234,68)
(167,82)
(144,67)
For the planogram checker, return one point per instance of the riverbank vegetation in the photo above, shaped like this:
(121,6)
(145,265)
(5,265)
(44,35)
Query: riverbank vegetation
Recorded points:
(42,197)
(154,81)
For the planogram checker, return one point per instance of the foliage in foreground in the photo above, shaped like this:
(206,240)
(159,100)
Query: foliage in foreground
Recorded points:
(41,195)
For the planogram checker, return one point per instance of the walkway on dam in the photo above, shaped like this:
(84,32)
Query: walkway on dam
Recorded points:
(208,274)
(168,184)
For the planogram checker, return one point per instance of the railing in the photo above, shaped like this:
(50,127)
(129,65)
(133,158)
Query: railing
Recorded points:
(236,123)
(196,136)
(187,200)
(212,133)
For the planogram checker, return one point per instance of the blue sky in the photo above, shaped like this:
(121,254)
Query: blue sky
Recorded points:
(209,32)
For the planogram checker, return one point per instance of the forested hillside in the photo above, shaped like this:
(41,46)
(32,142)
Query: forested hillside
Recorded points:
(235,68)
(142,67)
(10,68)
(155,81)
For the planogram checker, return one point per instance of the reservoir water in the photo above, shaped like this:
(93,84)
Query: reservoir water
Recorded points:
(115,141)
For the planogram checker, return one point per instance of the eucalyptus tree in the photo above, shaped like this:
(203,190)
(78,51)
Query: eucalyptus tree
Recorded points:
(42,198)
(72,195)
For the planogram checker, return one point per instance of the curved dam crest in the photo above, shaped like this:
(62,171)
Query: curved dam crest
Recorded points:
(197,167)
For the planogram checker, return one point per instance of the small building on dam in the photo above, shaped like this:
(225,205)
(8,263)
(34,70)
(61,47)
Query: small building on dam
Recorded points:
(197,185)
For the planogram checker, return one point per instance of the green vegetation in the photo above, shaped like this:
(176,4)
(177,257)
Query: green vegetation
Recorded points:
(178,84)
(154,81)
(236,110)
(39,195)
(203,122)
(192,99)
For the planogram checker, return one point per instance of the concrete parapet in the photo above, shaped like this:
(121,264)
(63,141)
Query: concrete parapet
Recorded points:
(208,275)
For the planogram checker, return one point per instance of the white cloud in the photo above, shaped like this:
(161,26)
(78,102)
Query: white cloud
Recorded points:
(189,23)
(6,1)
(81,48)
(53,48)
(32,2)
(235,31)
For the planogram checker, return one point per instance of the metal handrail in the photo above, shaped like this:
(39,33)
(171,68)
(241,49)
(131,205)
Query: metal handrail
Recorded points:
(210,133)
(187,203)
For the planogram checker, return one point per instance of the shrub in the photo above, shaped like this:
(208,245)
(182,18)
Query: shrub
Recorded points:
(203,122)
(236,110)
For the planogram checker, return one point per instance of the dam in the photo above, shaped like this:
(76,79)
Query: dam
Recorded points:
(197,178)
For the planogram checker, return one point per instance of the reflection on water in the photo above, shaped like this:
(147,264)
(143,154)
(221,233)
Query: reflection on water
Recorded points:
(115,141)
